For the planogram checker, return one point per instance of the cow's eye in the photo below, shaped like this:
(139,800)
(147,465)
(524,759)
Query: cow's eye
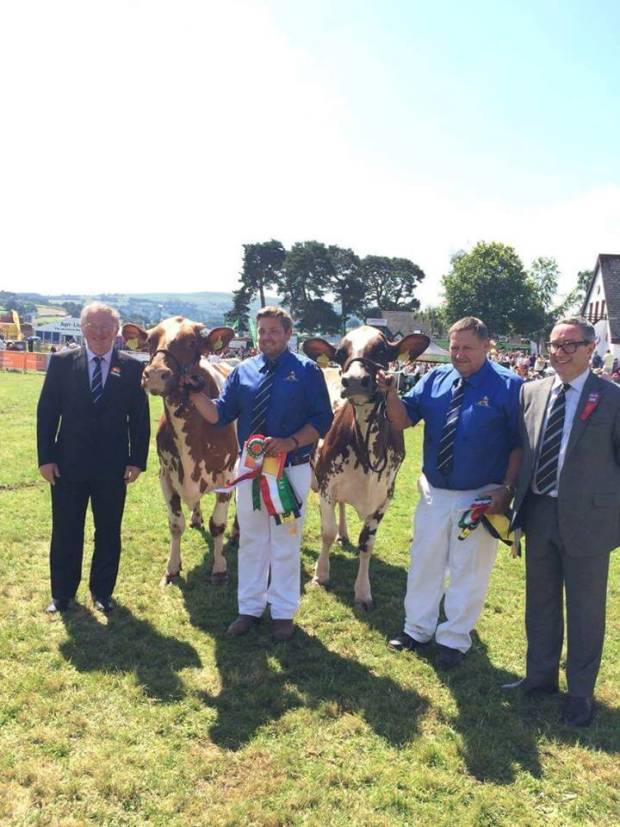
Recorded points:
(340,355)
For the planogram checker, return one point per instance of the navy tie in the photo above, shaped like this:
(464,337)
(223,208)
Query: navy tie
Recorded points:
(261,400)
(547,471)
(96,388)
(445,456)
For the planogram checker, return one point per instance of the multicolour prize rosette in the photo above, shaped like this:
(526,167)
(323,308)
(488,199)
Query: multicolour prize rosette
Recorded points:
(271,487)
(498,525)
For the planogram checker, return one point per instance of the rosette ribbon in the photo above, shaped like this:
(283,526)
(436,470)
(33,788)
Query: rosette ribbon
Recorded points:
(498,525)
(271,487)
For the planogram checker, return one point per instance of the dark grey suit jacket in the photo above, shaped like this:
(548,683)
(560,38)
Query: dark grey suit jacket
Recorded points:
(589,485)
(88,441)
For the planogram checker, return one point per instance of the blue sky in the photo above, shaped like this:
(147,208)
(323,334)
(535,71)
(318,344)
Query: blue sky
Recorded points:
(147,141)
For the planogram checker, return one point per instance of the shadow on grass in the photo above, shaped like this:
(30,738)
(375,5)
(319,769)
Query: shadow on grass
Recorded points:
(262,680)
(499,733)
(126,644)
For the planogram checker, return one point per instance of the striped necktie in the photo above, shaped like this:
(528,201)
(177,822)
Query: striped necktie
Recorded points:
(547,470)
(262,399)
(445,456)
(96,388)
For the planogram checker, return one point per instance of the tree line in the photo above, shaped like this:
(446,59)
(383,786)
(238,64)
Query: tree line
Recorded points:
(323,286)
(326,286)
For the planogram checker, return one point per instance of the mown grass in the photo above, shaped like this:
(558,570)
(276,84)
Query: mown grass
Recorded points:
(153,716)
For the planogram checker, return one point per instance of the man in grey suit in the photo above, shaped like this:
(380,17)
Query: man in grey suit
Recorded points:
(568,502)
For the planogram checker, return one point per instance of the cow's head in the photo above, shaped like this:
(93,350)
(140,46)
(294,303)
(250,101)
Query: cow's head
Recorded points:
(175,346)
(360,354)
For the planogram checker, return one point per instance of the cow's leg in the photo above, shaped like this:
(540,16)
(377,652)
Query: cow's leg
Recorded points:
(217,526)
(363,595)
(328,535)
(343,532)
(176,524)
(196,520)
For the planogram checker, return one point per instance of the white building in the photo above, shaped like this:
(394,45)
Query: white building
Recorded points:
(602,303)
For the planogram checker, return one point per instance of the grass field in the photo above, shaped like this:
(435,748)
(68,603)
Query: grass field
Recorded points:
(153,716)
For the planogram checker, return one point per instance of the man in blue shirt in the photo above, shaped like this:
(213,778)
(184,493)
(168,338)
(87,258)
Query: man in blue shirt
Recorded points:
(298,413)
(471,448)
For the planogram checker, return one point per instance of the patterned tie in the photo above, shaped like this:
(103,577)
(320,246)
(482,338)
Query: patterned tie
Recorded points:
(547,471)
(96,388)
(261,400)
(445,457)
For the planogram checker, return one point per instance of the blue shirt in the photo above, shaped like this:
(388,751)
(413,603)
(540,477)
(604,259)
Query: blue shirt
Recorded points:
(487,429)
(298,397)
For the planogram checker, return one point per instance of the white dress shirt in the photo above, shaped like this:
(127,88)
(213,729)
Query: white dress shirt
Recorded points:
(106,361)
(572,399)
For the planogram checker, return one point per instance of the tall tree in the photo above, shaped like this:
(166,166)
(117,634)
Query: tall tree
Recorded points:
(262,267)
(238,316)
(307,275)
(318,316)
(390,283)
(346,282)
(491,283)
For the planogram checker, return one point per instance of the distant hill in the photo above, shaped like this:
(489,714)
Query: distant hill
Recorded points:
(147,308)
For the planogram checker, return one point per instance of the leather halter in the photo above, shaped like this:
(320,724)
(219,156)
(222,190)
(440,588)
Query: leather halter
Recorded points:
(181,371)
(374,367)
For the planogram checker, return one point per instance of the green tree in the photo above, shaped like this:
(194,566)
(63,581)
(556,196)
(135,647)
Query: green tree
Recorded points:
(390,283)
(238,316)
(490,282)
(262,267)
(73,308)
(346,283)
(318,316)
(306,276)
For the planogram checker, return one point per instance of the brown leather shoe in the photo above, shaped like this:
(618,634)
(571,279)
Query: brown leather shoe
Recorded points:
(282,630)
(242,625)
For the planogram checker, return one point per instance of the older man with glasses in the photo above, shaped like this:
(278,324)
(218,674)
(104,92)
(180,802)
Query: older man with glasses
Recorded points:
(568,502)
(92,437)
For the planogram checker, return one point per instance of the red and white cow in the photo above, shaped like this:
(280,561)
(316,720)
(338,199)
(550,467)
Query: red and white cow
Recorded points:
(195,458)
(359,458)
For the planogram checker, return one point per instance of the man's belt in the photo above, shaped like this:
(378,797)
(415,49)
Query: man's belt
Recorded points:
(296,461)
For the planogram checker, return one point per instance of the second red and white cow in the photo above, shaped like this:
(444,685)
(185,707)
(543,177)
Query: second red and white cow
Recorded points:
(195,458)
(359,458)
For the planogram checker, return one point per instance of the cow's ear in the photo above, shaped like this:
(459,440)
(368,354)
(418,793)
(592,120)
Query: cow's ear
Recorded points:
(214,341)
(134,333)
(409,347)
(319,350)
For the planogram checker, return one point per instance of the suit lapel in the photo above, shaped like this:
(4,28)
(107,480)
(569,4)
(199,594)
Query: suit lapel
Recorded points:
(579,426)
(540,401)
(111,387)
(81,370)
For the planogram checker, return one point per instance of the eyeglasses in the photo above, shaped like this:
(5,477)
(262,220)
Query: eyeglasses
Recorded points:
(566,347)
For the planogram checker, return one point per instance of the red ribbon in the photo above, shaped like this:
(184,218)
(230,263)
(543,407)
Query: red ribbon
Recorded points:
(590,406)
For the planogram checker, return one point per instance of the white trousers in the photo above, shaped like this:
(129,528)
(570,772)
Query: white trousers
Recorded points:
(269,554)
(436,553)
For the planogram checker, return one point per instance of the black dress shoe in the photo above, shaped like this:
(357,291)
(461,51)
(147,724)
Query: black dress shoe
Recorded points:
(404,641)
(448,658)
(57,606)
(103,604)
(529,687)
(577,711)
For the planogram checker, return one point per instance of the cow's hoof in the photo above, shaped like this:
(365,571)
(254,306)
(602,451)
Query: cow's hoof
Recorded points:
(319,584)
(197,524)
(219,578)
(168,578)
(364,605)
(342,539)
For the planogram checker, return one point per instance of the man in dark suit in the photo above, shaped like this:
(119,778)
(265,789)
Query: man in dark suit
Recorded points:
(93,432)
(568,502)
